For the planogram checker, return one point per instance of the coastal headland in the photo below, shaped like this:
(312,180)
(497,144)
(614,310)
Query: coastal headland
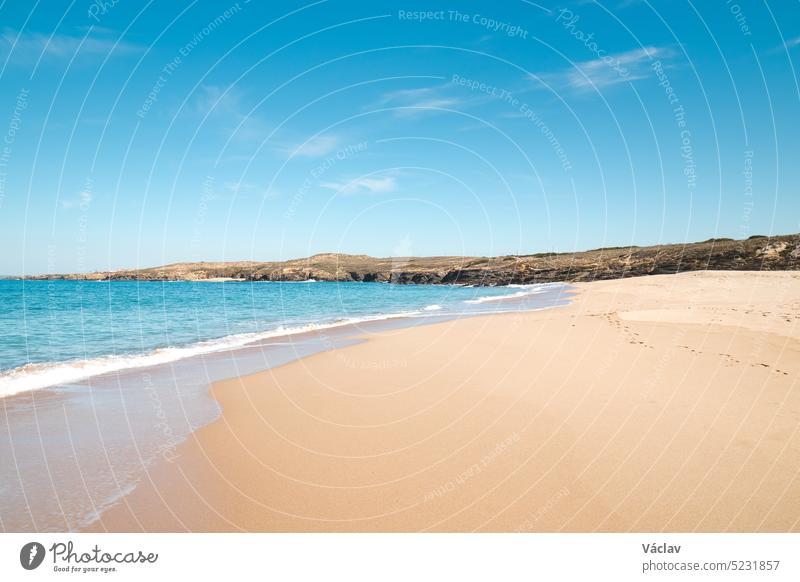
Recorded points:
(757,253)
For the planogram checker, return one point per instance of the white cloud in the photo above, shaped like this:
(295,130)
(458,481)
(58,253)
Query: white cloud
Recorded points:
(225,106)
(440,103)
(317,146)
(213,99)
(30,46)
(364,185)
(420,101)
(407,95)
(607,70)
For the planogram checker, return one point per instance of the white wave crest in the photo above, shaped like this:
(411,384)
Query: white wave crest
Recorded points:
(42,375)
(527,290)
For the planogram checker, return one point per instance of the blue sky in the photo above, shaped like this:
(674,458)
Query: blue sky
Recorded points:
(138,134)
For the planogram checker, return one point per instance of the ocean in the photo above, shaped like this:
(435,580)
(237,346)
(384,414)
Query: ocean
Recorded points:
(100,380)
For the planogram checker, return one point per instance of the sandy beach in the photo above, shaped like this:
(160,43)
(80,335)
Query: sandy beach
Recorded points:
(660,403)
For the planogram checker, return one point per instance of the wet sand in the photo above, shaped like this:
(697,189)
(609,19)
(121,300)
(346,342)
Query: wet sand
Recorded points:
(661,403)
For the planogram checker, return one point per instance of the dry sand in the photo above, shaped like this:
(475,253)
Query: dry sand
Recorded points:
(657,403)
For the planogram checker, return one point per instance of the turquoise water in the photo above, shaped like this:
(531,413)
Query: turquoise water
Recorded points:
(99,381)
(56,332)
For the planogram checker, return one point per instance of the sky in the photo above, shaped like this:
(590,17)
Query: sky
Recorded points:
(135,134)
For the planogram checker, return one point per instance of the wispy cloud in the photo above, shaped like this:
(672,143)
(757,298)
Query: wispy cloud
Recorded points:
(420,101)
(608,70)
(30,46)
(792,42)
(317,146)
(364,185)
(627,3)
(785,47)
(226,105)
(619,5)
(214,99)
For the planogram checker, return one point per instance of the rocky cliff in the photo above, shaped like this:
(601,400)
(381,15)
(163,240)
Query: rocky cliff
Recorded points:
(755,253)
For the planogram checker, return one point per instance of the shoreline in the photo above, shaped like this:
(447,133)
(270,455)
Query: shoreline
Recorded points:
(77,371)
(520,440)
(144,412)
(243,341)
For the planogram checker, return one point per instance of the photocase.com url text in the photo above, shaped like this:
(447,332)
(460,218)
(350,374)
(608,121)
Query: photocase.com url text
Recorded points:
(729,566)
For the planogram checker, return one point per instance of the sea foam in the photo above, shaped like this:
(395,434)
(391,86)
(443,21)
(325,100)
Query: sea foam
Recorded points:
(43,375)
(527,290)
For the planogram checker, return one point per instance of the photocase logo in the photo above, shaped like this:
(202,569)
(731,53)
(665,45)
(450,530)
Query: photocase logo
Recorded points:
(31,555)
